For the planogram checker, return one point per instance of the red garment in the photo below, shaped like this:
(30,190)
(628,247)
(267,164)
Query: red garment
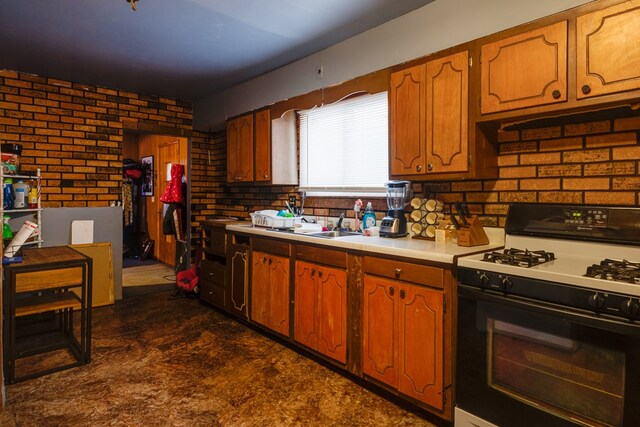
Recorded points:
(173,192)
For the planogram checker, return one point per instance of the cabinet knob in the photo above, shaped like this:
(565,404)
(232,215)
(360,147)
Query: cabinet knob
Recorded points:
(266,176)
(319,273)
(264,259)
(430,166)
(556,94)
(270,261)
(586,89)
(313,272)
(391,291)
(418,168)
(397,272)
(402,294)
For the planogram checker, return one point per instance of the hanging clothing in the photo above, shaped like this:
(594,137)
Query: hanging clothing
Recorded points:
(173,192)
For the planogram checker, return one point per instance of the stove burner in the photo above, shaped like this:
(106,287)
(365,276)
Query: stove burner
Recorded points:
(616,270)
(519,257)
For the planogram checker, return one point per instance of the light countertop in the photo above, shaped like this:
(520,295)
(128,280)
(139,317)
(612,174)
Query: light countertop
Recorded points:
(407,247)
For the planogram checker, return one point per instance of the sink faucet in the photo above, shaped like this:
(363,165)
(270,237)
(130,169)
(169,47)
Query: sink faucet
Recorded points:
(339,224)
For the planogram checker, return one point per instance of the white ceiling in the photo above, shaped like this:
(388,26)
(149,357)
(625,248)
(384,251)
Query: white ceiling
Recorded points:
(185,49)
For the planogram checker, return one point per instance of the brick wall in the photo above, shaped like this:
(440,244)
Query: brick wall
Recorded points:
(73,133)
(595,162)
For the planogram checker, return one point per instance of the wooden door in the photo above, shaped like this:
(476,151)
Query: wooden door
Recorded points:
(608,49)
(238,279)
(279,294)
(379,353)
(332,319)
(233,149)
(525,70)
(421,344)
(245,149)
(168,154)
(260,287)
(305,304)
(447,114)
(263,146)
(407,122)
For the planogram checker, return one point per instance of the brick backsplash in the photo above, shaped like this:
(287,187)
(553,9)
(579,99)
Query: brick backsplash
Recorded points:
(593,162)
(73,133)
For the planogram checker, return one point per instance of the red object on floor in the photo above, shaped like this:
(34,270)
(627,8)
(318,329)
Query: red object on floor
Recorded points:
(187,280)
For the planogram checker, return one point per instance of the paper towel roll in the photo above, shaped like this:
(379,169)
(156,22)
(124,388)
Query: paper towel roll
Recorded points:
(21,236)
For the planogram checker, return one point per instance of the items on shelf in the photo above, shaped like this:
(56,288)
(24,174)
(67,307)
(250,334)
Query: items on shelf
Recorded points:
(426,216)
(11,158)
(21,236)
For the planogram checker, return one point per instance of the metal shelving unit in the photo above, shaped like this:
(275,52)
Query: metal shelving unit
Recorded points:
(18,216)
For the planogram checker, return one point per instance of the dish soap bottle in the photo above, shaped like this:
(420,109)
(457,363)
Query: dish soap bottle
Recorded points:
(369,217)
(7,234)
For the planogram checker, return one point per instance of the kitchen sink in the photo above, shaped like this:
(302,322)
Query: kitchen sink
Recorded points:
(333,234)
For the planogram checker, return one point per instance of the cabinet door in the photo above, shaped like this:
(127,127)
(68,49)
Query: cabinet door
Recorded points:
(608,50)
(238,280)
(305,304)
(447,114)
(263,146)
(525,70)
(407,122)
(332,322)
(233,149)
(379,352)
(260,288)
(279,294)
(245,154)
(421,344)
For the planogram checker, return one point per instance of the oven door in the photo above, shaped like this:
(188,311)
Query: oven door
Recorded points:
(524,363)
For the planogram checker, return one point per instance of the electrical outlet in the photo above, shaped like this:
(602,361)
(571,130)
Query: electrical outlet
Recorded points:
(292,200)
(319,72)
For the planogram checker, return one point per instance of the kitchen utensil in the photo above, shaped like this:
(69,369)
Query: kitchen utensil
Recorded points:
(395,223)
(465,210)
(455,222)
(303,196)
(460,213)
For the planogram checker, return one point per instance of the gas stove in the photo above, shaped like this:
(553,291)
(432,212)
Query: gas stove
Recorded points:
(581,257)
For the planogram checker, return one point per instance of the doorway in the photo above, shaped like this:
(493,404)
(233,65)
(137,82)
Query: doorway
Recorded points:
(156,153)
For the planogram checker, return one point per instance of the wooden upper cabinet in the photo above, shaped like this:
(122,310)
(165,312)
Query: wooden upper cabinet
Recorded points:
(525,70)
(447,121)
(240,149)
(407,121)
(263,146)
(608,50)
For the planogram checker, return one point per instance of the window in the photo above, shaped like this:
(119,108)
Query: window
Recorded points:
(344,147)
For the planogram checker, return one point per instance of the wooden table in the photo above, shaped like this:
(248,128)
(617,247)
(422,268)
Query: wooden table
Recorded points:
(57,281)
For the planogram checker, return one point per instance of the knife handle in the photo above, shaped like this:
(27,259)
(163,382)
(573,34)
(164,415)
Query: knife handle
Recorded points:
(465,210)
(455,222)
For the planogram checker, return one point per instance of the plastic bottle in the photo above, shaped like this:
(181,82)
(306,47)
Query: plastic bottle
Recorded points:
(21,194)
(7,234)
(33,198)
(369,217)
(7,194)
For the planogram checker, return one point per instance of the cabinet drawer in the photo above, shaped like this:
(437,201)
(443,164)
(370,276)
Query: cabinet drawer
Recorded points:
(213,293)
(322,256)
(48,279)
(398,270)
(213,272)
(276,247)
(214,240)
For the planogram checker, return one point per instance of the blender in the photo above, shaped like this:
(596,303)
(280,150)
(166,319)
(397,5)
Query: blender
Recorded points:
(395,223)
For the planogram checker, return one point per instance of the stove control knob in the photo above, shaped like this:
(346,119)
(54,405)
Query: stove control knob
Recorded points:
(484,280)
(630,308)
(596,300)
(506,284)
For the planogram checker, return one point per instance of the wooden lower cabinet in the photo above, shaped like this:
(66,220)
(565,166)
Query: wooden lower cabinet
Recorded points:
(270,291)
(320,320)
(212,283)
(403,338)
(238,274)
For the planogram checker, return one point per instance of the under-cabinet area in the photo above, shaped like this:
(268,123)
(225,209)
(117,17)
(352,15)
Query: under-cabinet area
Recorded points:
(377,313)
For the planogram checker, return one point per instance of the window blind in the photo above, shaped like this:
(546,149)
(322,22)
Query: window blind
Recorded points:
(344,146)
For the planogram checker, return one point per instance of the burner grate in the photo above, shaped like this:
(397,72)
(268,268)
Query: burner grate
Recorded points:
(616,270)
(519,257)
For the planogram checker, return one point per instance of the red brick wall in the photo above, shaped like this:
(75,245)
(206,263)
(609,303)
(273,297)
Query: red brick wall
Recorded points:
(594,162)
(73,133)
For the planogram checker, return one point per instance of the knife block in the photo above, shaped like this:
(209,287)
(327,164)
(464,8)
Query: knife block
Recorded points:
(472,234)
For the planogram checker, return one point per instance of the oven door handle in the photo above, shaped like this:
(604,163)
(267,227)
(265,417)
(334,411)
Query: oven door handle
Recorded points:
(578,316)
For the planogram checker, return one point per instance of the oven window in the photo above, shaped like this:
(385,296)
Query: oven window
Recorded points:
(557,372)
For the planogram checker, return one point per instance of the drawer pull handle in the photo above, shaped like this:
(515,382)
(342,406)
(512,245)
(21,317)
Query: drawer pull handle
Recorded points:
(402,293)
(391,291)
(319,273)
(270,261)
(313,272)
(397,272)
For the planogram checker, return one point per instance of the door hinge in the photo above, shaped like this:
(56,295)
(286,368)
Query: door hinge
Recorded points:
(444,304)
